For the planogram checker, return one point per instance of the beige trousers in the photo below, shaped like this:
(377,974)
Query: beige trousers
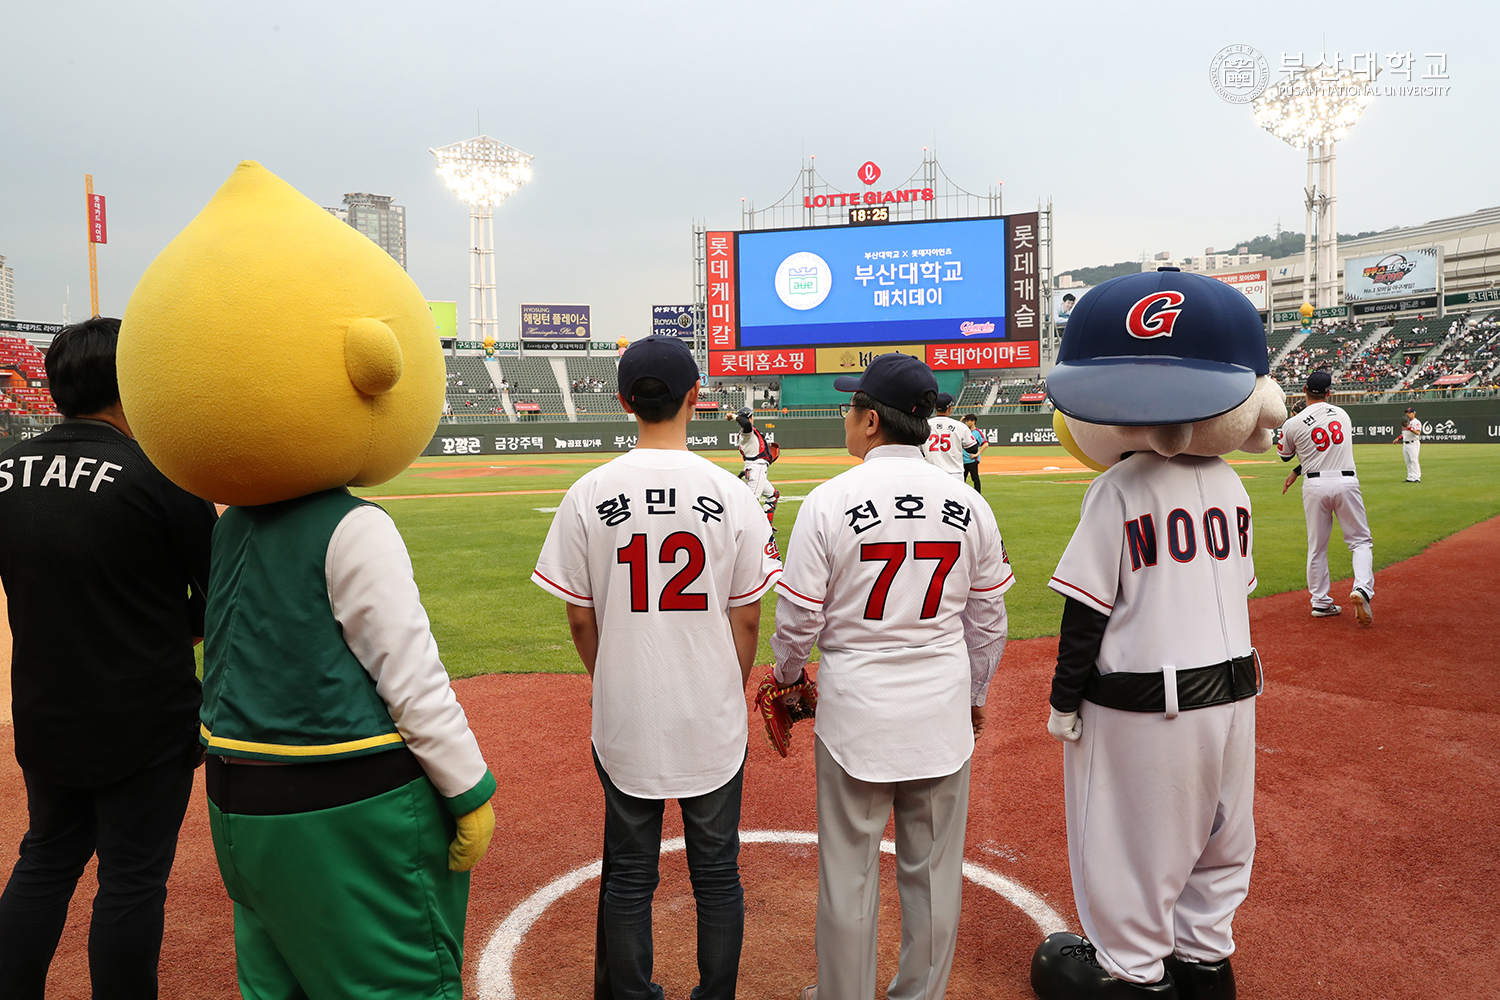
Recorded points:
(931,815)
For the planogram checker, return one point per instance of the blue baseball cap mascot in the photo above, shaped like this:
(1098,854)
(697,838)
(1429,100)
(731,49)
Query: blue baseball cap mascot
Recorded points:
(1159,375)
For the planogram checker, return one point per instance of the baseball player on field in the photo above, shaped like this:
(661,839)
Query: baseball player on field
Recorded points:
(1321,437)
(757,455)
(662,558)
(1410,439)
(946,439)
(897,572)
(1160,373)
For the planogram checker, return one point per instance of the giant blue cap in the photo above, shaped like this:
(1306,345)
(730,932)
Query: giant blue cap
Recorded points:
(1159,347)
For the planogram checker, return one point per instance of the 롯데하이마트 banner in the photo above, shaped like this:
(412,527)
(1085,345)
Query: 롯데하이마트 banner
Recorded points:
(947,357)
(563,323)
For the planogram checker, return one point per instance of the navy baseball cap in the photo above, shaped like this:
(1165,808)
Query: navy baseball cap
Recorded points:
(1159,347)
(944,401)
(666,358)
(1319,381)
(899,381)
(1410,410)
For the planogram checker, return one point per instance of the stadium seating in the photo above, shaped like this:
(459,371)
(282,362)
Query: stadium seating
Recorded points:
(529,375)
(470,387)
(16,353)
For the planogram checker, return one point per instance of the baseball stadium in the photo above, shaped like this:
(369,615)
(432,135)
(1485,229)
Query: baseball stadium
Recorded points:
(1373,760)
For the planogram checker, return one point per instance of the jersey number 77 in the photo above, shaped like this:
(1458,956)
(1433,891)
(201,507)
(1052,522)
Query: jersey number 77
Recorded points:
(893,554)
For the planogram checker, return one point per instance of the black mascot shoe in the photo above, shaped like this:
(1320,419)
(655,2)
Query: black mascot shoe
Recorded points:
(1064,968)
(1202,980)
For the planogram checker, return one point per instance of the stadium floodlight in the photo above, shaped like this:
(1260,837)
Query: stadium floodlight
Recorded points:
(483,172)
(1314,107)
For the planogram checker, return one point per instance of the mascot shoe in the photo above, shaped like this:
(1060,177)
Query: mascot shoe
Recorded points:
(1202,980)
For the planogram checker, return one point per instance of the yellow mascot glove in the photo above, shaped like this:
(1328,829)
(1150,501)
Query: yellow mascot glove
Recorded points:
(474,832)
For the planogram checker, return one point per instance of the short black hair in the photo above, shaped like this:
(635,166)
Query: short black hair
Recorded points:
(969,416)
(81,367)
(645,399)
(898,427)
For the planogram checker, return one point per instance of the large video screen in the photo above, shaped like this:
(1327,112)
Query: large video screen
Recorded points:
(902,283)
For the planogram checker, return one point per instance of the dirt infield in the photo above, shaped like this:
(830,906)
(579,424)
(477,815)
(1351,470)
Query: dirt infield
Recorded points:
(1379,829)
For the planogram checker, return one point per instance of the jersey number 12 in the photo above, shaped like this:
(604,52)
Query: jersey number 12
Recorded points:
(673,595)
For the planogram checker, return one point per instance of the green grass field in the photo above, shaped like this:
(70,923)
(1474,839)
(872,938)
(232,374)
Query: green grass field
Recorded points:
(473,555)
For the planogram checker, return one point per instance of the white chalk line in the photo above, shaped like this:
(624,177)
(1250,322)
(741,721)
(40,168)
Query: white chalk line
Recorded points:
(493,980)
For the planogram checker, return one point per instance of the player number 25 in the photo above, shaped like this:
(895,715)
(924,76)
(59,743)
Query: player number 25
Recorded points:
(893,554)
(940,442)
(1333,435)
(673,596)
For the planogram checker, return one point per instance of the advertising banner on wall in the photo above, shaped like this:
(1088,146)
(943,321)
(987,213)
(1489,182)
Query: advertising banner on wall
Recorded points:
(856,358)
(555,323)
(672,321)
(1254,285)
(792,361)
(1407,274)
(1063,301)
(947,357)
(723,315)
(445,317)
(1023,295)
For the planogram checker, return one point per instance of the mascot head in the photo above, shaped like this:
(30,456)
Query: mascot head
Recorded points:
(272,351)
(1163,361)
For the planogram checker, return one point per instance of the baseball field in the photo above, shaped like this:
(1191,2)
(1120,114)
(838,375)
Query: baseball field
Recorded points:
(1378,753)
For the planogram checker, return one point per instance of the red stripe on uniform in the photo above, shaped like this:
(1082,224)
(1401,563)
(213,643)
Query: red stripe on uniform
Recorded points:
(762,586)
(565,590)
(789,590)
(986,590)
(1085,593)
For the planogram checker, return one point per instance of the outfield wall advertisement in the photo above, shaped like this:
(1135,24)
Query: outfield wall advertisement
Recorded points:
(1394,282)
(808,300)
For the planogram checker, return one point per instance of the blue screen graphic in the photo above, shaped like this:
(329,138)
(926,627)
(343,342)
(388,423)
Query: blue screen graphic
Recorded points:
(911,283)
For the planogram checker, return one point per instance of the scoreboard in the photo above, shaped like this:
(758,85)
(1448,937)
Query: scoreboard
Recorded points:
(960,293)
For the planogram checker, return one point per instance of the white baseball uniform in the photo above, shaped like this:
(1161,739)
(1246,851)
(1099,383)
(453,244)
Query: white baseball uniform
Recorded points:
(946,440)
(1411,446)
(1161,831)
(1320,437)
(897,571)
(660,544)
(753,449)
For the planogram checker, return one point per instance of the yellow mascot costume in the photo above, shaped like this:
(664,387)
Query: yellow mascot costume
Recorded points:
(270,357)
(1158,375)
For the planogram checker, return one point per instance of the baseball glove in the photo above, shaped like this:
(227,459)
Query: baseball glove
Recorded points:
(771,699)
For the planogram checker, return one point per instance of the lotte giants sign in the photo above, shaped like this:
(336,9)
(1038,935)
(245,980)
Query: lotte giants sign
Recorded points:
(97,231)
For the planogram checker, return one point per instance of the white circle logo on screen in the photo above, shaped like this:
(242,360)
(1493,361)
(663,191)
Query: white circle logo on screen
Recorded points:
(804,280)
(493,975)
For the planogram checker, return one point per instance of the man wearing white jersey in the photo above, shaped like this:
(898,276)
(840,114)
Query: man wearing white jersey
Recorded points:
(757,455)
(1411,444)
(897,572)
(1321,437)
(946,439)
(662,558)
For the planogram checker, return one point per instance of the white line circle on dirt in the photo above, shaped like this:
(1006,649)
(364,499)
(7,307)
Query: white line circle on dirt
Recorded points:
(493,971)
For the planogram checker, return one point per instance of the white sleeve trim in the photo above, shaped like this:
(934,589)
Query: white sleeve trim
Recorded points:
(374,598)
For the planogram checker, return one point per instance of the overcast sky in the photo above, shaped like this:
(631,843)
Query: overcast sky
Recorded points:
(644,116)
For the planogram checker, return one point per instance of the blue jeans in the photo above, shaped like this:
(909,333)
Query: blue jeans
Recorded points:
(632,851)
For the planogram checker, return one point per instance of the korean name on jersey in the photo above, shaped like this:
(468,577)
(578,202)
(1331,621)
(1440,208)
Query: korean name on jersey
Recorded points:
(891,552)
(1320,436)
(659,543)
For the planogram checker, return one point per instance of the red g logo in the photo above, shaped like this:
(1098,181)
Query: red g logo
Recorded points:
(1161,322)
(869,172)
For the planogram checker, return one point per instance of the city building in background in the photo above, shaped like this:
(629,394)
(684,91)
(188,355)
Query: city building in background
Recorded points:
(377,218)
(7,291)
(1210,261)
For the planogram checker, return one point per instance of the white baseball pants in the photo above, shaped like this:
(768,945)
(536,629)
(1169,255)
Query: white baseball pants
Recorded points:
(931,817)
(1323,499)
(1161,832)
(758,478)
(1409,451)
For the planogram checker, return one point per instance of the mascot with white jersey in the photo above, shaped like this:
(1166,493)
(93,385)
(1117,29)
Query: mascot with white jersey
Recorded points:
(1159,374)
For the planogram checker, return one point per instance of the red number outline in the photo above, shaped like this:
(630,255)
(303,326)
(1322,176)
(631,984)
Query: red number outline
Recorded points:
(947,555)
(633,554)
(672,596)
(893,554)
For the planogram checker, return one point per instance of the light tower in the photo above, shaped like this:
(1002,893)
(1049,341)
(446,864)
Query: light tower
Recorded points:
(483,172)
(1315,107)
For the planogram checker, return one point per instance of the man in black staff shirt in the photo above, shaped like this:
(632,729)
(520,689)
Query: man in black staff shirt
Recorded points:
(105,564)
